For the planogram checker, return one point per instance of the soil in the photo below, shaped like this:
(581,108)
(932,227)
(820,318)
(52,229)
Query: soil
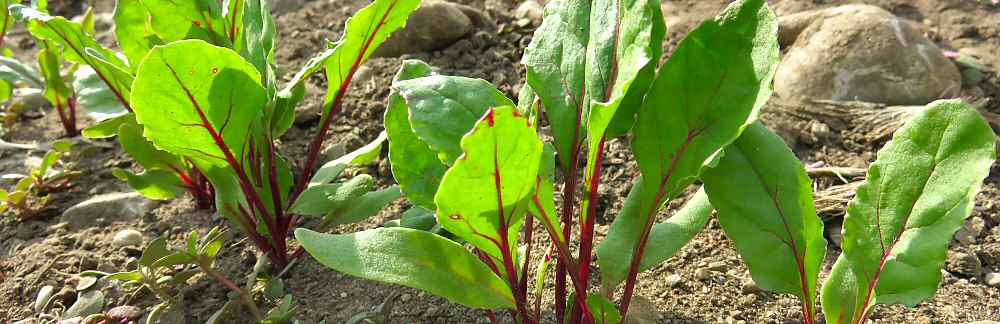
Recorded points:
(42,251)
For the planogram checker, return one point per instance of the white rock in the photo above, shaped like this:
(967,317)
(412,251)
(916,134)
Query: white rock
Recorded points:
(673,280)
(127,237)
(992,279)
(435,25)
(529,9)
(107,208)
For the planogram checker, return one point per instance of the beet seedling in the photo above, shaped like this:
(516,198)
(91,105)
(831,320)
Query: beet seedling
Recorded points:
(918,192)
(459,149)
(31,192)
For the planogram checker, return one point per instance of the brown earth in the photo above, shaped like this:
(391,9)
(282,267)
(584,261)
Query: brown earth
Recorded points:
(41,252)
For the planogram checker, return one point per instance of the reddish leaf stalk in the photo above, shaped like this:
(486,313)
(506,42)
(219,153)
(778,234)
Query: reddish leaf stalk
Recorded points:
(564,255)
(569,197)
(587,226)
(529,229)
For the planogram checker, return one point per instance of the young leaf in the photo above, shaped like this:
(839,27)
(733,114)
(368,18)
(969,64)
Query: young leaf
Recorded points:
(614,253)
(198,100)
(365,31)
(414,164)
(365,206)
(444,108)
(325,198)
(703,97)
(94,95)
(414,259)
(153,184)
(481,198)
(194,19)
(255,38)
(365,154)
(57,92)
(80,48)
(14,71)
(132,30)
(605,311)
(765,204)
(917,193)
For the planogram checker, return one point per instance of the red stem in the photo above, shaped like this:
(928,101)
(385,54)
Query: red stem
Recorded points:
(529,228)
(569,198)
(587,225)
(564,255)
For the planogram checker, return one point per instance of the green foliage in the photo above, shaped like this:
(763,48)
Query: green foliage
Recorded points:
(31,193)
(918,192)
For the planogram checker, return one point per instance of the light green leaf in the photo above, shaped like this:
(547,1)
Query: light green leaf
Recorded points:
(57,92)
(444,108)
(615,253)
(414,259)
(365,154)
(365,206)
(917,193)
(135,35)
(153,184)
(255,38)
(194,19)
(414,164)
(485,192)
(765,204)
(325,198)
(604,311)
(186,95)
(840,293)
(14,71)
(363,33)
(543,206)
(108,127)
(94,96)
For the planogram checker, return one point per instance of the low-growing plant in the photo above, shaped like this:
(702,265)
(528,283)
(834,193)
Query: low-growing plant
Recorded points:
(460,150)
(31,193)
(918,192)
(214,102)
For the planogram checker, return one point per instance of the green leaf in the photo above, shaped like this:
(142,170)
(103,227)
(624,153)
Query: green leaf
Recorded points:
(325,198)
(444,108)
(485,192)
(185,95)
(917,193)
(543,206)
(365,206)
(418,218)
(366,154)
(80,48)
(583,60)
(414,259)
(254,38)
(765,204)
(108,127)
(143,152)
(95,96)
(134,275)
(414,164)
(363,33)
(14,71)
(57,92)
(135,35)
(196,19)
(615,253)
(604,311)
(87,303)
(153,184)
(840,293)
(156,250)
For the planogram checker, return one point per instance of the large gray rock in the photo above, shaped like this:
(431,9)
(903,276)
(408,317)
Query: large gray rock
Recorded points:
(107,208)
(435,25)
(861,53)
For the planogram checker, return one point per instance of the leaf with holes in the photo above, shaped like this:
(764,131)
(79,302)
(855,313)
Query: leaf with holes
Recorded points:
(765,204)
(482,198)
(918,192)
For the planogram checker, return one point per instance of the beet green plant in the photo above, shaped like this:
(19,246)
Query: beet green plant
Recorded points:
(31,192)
(917,193)
(219,108)
(460,149)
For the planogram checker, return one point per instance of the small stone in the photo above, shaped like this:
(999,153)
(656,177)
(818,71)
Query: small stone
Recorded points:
(718,266)
(125,314)
(405,297)
(964,264)
(748,286)
(43,298)
(834,232)
(107,208)
(343,295)
(819,130)
(673,280)
(435,25)
(992,279)
(334,151)
(126,238)
(702,273)
(530,10)
(28,98)
(970,231)
(642,311)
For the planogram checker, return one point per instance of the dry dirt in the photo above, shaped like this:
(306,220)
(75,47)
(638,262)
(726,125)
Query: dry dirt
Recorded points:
(42,252)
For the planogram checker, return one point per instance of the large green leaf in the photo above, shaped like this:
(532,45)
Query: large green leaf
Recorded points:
(444,108)
(917,193)
(95,96)
(703,97)
(765,204)
(365,206)
(193,19)
(411,258)
(665,239)
(484,193)
(198,100)
(135,35)
(583,60)
(365,31)
(414,164)
(79,48)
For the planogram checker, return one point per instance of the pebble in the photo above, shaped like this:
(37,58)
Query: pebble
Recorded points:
(970,232)
(748,286)
(673,280)
(435,25)
(964,264)
(107,208)
(125,314)
(530,10)
(128,237)
(992,279)
(43,298)
(718,266)
(343,295)
(701,274)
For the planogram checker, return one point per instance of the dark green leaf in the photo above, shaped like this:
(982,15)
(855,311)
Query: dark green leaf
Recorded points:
(365,206)
(325,198)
